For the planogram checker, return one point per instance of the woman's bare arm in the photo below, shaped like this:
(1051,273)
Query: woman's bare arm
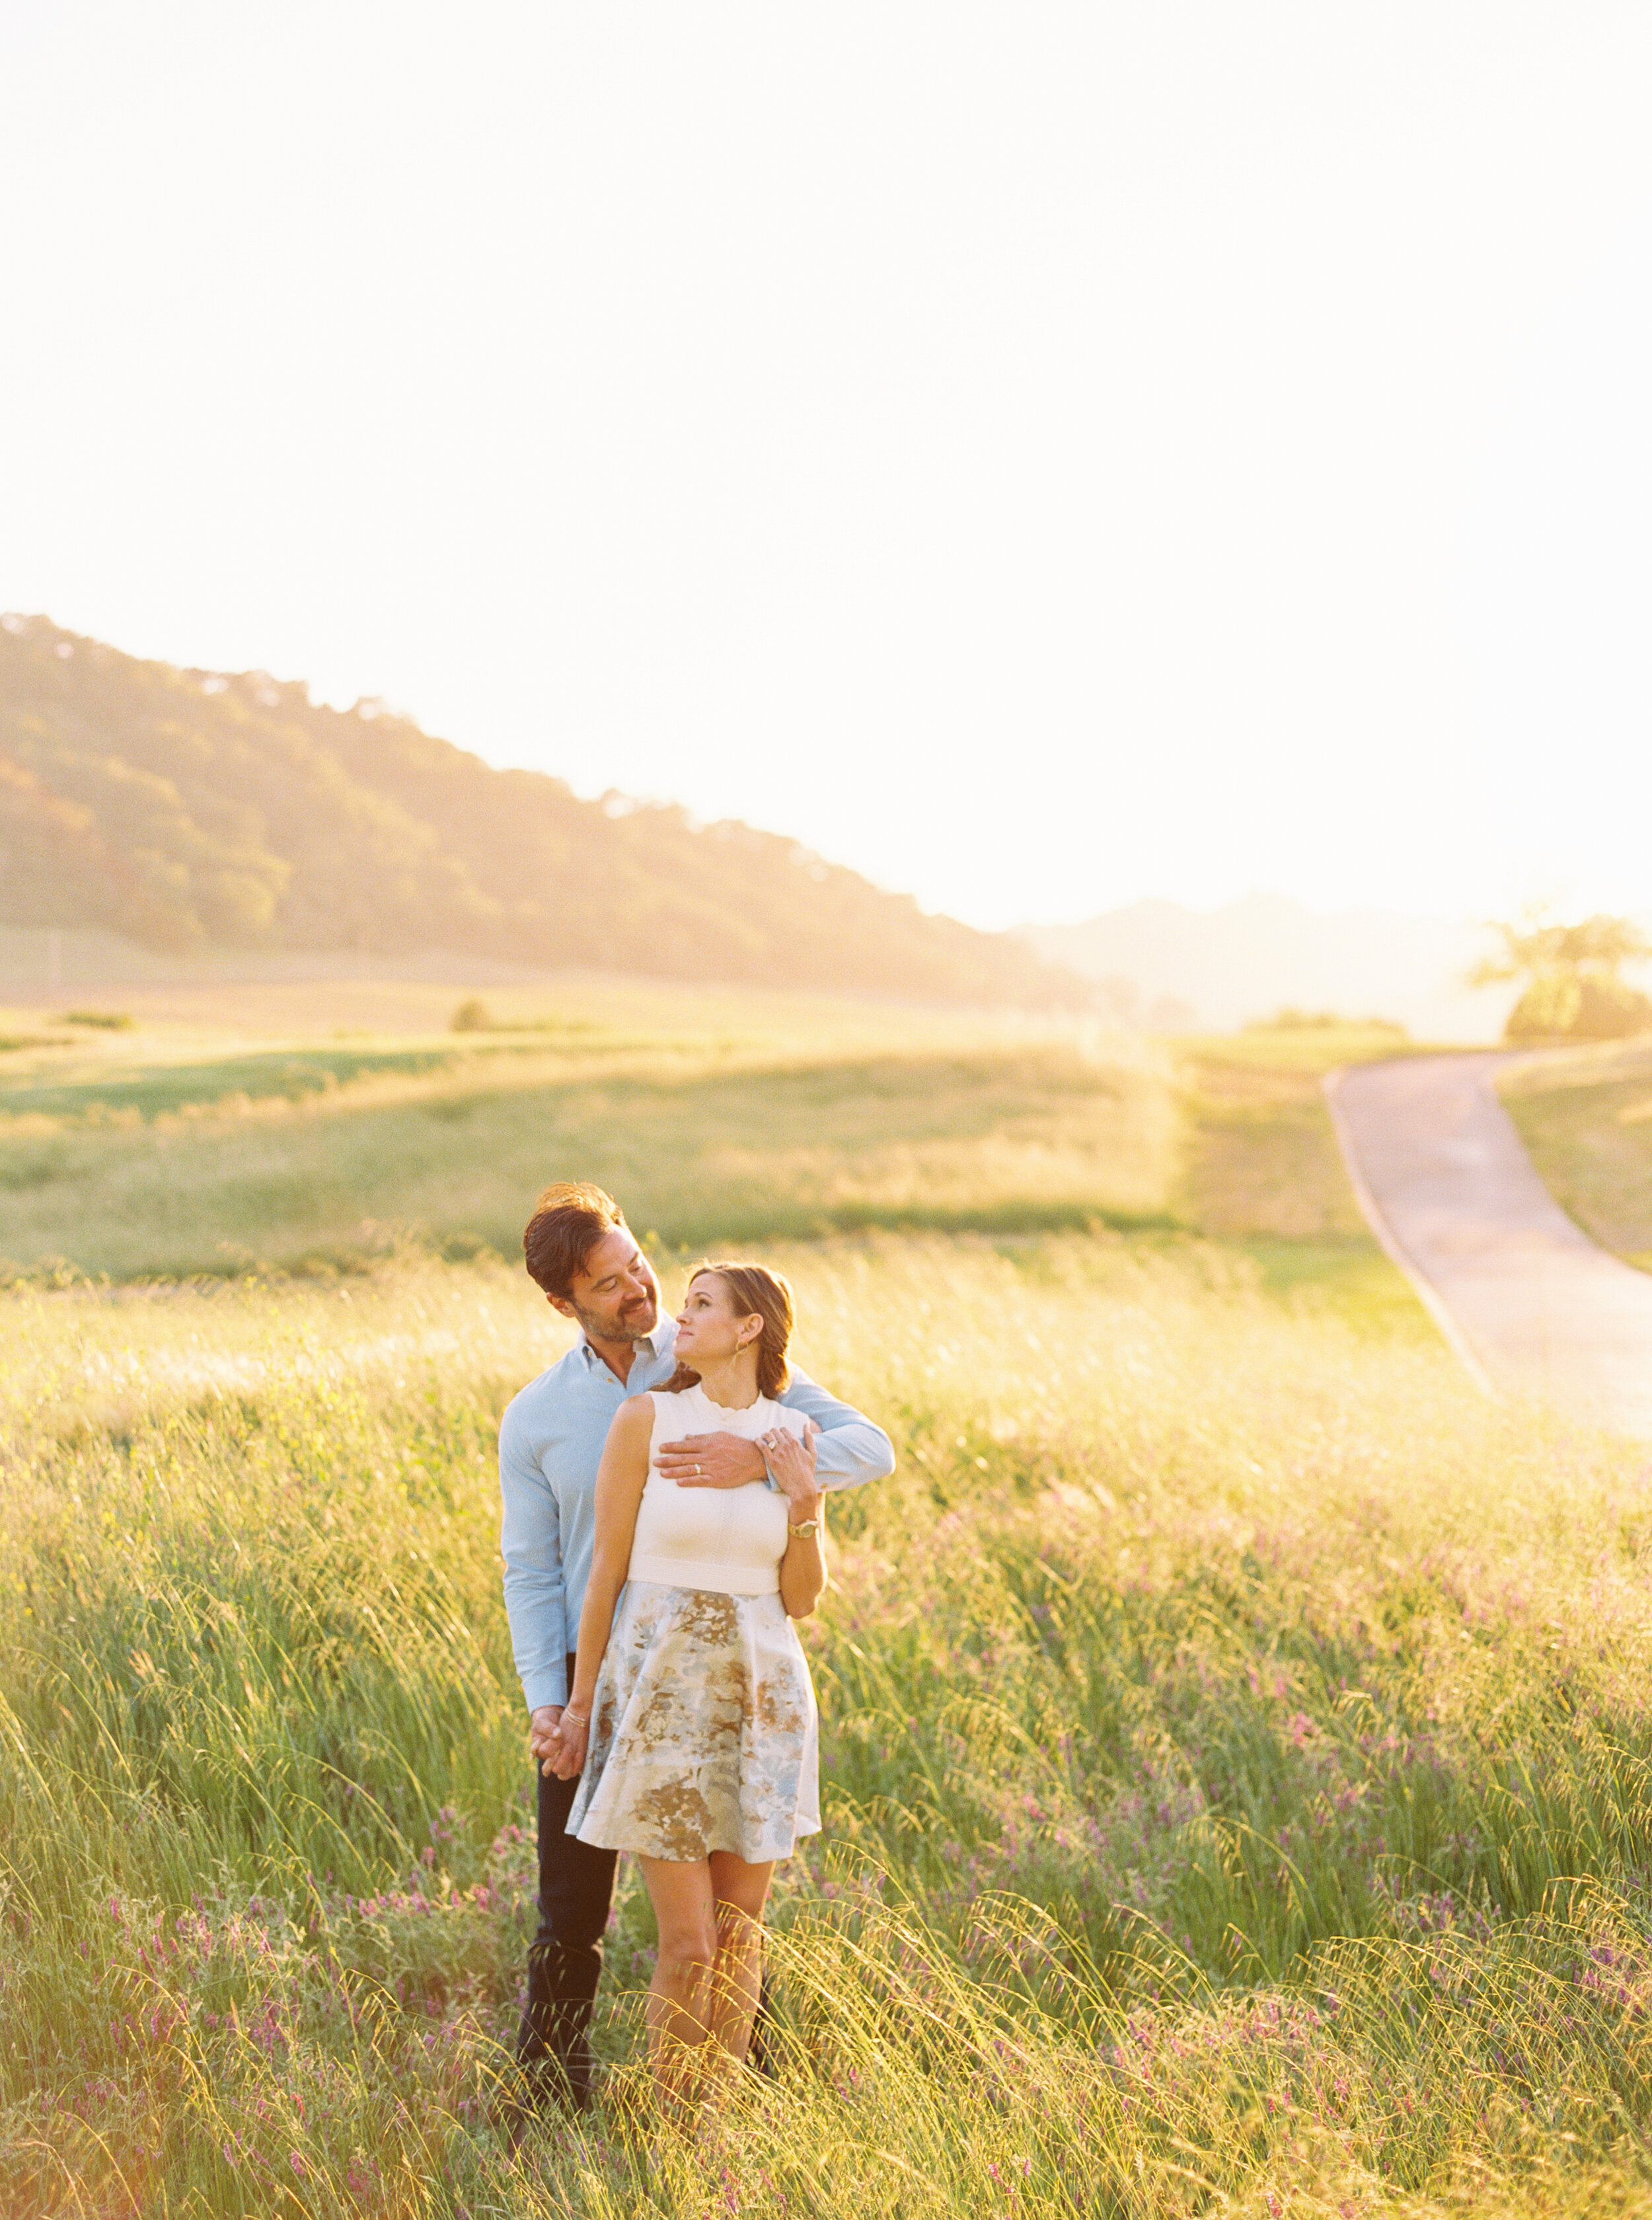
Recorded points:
(802,1570)
(620,1479)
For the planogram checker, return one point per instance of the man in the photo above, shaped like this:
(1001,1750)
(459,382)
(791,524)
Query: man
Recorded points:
(580,1251)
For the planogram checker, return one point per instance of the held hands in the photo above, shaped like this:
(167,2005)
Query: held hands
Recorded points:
(566,1756)
(730,1461)
(556,1740)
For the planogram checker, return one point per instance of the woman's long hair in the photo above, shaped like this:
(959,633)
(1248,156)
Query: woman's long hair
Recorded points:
(753,1288)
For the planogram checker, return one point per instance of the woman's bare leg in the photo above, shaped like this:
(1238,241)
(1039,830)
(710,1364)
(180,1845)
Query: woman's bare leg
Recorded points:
(709,1913)
(680,2011)
(739,1891)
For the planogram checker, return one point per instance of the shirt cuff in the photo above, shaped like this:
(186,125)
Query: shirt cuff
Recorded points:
(550,1686)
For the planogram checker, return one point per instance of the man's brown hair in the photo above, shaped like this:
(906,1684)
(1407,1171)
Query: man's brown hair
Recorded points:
(568,1219)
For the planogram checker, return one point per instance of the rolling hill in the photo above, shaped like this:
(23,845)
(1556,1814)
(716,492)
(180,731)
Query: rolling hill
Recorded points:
(1175,968)
(190,809)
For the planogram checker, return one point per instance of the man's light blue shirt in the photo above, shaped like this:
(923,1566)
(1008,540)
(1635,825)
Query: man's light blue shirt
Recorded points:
(550,1445)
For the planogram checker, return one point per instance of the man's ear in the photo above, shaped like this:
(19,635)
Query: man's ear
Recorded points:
(561,1303)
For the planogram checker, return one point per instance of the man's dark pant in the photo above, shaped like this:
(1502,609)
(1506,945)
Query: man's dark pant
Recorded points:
(565,1961)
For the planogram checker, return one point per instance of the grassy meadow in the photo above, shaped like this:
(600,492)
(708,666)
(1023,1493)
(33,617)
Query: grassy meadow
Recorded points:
(1235,1772)
(178,1150)
(1258,1169)
(1586,1115)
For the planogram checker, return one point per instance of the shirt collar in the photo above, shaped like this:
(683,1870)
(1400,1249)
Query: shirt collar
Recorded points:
(654,1343)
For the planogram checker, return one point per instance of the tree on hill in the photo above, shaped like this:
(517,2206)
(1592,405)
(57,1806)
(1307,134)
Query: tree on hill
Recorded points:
(1574,986)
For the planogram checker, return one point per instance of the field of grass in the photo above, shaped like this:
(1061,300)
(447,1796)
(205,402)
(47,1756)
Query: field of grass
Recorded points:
(1237,1779)
(1236,1764)
(172,1150)
(1259,1167)
(194,1144)
(1586,1118)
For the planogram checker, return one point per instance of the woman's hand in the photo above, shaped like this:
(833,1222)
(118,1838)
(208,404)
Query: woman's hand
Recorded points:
(569,1741)
(792,1464)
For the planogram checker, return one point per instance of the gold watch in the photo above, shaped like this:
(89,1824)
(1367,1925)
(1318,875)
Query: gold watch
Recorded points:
(804,1528)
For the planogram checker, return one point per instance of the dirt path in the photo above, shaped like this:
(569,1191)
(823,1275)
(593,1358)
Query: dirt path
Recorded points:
(1527,1301)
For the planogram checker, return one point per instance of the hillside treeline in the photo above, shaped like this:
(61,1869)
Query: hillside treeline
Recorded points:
(185,809)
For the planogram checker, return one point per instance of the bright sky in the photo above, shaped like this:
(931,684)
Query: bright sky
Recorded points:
(1041,454)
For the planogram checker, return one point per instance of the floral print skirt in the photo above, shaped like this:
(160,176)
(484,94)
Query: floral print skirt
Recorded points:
(704,1733)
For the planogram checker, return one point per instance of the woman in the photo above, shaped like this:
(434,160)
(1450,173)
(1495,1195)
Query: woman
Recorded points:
(692,1713)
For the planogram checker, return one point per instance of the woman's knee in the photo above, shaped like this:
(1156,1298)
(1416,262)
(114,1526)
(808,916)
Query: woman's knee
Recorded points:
(736,1926)
(738,1886)
(688,1940)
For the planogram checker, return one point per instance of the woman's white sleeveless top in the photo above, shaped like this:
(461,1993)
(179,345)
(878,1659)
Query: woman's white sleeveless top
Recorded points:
(731,1539)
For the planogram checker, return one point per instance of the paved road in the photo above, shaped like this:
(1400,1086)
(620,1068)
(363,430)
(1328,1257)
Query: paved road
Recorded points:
(1527,1301)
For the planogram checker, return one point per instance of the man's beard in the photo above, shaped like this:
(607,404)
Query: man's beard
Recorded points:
(633,1326)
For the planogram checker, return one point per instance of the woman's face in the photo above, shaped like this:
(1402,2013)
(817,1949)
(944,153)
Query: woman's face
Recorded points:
(708,1331)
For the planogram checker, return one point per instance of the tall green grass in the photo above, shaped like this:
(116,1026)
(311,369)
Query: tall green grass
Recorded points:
(1236,1767)
(184,1170)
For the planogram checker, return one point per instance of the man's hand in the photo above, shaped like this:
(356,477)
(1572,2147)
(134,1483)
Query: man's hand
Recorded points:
(542,1740)
(711,1461)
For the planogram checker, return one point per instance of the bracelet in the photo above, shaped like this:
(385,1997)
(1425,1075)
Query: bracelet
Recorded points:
(579,1719)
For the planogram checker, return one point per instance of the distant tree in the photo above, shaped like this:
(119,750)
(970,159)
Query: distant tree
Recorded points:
(1574,986)
(472,1016)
